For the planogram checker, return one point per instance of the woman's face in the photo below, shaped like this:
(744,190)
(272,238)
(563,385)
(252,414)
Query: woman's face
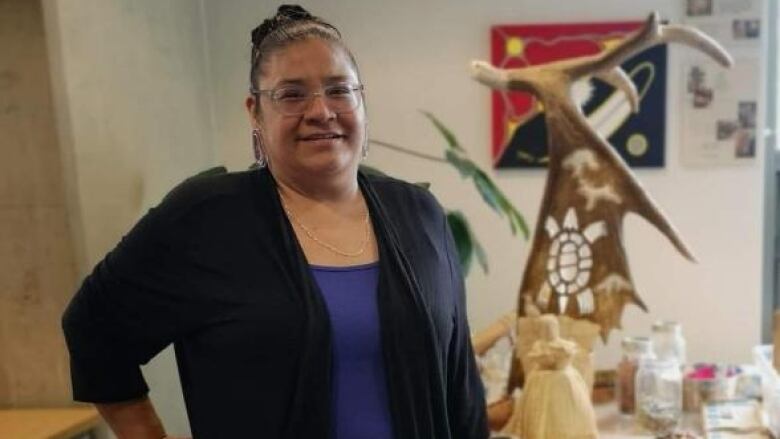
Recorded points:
(318,143)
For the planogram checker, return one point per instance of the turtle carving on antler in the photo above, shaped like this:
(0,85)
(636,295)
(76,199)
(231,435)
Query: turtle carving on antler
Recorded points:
(577,265)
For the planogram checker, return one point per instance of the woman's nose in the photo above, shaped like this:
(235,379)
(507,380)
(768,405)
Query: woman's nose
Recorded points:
(319,109)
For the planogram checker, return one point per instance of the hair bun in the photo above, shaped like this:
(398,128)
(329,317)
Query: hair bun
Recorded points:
(285,14)
(293,12)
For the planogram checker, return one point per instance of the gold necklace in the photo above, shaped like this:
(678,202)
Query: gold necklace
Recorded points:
(322,243)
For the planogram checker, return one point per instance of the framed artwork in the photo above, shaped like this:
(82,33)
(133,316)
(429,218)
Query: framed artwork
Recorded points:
(518,128)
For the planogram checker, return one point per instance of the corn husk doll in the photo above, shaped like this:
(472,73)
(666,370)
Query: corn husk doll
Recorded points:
(555,403)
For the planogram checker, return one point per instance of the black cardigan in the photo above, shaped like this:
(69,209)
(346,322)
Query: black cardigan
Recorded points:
(216,269)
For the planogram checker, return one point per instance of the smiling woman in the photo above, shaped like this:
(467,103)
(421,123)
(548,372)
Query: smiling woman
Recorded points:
(312,121)
(303,298)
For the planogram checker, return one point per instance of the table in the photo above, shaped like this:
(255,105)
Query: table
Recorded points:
(613,425)
(54,423)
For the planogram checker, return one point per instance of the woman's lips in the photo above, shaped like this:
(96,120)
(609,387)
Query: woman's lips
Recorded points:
(323,136)
(321,140)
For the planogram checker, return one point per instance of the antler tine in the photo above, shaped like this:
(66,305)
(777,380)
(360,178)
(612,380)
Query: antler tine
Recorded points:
(513,79)
(618,78)
(606,65)
(652,33)
(698,40)
(489,75)
(647,208)
(613,57)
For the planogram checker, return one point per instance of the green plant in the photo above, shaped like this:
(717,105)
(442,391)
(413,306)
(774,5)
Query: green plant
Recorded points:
(468,246)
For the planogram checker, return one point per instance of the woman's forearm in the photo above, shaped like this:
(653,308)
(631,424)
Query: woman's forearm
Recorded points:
(134,419)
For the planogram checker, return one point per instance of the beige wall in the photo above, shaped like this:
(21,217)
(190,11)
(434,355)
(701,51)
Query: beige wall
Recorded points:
(134,115)
(134,94)
(37,259)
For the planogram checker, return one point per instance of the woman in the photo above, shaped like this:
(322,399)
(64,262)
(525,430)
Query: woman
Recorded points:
(304,299)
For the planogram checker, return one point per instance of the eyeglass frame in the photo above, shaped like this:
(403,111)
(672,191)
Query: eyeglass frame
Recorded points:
(270,91)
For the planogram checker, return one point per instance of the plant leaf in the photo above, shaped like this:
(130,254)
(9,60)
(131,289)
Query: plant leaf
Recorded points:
(466,242)
(452,141)
(465,167)
(481,255)
(516,220)
(488,191)
(463,239)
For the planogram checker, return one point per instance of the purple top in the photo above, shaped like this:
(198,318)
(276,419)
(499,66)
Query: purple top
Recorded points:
(360,401)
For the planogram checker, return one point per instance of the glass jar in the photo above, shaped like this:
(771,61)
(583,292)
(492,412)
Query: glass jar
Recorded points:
(658,388)
(635,350)
(668,341)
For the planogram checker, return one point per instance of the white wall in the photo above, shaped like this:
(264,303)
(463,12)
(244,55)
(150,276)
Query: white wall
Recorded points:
(132,93)
(413,55)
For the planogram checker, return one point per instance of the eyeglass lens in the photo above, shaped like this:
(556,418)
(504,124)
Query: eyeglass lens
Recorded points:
(296,100)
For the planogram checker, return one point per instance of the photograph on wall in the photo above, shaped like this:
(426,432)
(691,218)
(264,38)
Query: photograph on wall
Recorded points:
(519,135)
(698,8)
(719,112)
(734,23)
(720,107)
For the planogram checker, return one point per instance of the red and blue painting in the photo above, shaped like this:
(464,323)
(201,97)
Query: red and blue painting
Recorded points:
(519,132)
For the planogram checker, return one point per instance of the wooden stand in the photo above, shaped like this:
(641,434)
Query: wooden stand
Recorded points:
(777,341)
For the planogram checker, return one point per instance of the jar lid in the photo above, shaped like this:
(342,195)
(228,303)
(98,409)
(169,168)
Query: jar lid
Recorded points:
(666,326)
(659,363)
(636,344)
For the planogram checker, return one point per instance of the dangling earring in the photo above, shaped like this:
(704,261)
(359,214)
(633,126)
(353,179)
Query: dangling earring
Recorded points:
(260,161)
(364,152)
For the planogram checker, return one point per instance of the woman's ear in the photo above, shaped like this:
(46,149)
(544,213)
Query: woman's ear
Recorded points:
(250,103)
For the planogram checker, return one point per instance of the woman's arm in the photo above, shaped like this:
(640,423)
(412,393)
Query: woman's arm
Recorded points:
(135,419)
(149,291)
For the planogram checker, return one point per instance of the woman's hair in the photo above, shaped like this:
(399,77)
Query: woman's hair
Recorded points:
(291,24)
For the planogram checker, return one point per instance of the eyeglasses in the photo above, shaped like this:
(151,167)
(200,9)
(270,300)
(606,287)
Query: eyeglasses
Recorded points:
(293,100)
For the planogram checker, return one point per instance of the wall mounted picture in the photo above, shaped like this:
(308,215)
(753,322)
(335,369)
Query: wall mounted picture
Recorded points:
(721,110)
(518,128)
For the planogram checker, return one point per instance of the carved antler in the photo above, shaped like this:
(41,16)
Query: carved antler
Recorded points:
(577,264)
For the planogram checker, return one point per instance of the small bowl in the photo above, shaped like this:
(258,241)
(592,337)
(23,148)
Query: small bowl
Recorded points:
(699,390)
